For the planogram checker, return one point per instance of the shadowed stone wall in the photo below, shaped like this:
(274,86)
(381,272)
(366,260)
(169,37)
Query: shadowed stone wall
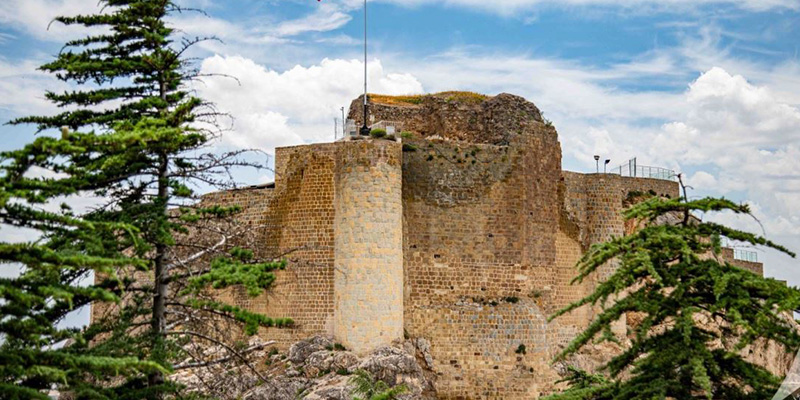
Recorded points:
(480,227)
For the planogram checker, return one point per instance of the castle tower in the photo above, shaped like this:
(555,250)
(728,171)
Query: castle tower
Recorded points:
(368,245)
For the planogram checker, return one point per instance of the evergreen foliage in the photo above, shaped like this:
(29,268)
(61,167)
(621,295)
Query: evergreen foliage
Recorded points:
(365,387)
(36,352)
(697,312)
(132,136)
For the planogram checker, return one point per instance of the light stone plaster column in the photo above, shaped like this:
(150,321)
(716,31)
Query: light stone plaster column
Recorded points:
(368,246)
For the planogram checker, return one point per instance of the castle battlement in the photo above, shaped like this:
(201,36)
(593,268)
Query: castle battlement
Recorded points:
(465,234)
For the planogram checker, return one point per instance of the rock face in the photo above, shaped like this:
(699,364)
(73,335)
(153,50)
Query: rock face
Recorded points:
(319,369)
(461,116)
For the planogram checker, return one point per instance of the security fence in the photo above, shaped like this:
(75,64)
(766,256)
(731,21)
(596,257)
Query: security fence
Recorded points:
(391,127)
(745,255)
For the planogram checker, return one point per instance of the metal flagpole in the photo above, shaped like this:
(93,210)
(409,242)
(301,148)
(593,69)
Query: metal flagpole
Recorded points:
(365,128)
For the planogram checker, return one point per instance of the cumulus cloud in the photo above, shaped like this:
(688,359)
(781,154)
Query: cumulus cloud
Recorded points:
(702,179)
(743,130)
(743,141)
(297,106)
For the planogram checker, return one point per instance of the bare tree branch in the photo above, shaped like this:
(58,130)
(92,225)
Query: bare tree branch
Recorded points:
(219,343)
(188,365)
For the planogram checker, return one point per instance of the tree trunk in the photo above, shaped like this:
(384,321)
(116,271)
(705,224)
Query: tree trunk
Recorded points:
(161,278)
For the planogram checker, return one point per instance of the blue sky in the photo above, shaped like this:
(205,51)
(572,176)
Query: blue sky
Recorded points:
(710,88)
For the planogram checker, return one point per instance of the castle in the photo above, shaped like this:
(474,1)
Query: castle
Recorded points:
(464,232)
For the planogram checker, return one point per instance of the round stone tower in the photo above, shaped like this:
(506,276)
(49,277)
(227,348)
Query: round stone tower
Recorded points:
(368,245)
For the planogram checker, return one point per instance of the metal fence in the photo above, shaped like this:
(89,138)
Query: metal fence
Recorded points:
(391,127)
(350,128)
(634,170)
(739,253)
(745,255)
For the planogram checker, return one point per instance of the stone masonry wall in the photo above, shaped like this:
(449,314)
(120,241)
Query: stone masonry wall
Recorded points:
(334,207)
(466,235)
(594,203)
(295,220)
(755,267)
(480,228)
(468,239)
(491,231)
(368,224)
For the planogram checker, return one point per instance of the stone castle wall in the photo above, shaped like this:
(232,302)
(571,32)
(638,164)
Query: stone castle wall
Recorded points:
(489,230)
(368,223)
(335,214)
(480,225)
(474,246)
(294,220)
(468,238)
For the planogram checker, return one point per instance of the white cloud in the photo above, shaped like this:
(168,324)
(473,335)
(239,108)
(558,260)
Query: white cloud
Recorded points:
(702,179)
(326,17)
(742,129)
(744,139)
(22,88)
(341,40)
(511,7)
(35,16)
(296,106)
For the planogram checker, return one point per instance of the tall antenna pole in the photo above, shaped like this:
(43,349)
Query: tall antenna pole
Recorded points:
(365,128)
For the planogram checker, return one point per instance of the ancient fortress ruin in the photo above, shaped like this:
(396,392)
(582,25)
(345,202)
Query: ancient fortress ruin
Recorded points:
(465,233)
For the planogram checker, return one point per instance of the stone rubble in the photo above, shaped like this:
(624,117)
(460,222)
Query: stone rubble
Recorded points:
(315,369)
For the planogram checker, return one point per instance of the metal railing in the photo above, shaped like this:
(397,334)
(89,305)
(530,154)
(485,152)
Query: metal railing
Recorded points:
(391,127)
(739,253)
(350,128)
(634,170)
(745,255)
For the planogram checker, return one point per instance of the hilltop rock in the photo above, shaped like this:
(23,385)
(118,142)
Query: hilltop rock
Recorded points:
(460,116)
(316,370)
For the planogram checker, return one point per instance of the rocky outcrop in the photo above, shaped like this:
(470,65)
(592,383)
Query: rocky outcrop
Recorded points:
(317,369)
(459,116)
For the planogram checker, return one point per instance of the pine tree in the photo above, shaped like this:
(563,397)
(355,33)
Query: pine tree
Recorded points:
(697,312)
(135,141)
(36,353)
